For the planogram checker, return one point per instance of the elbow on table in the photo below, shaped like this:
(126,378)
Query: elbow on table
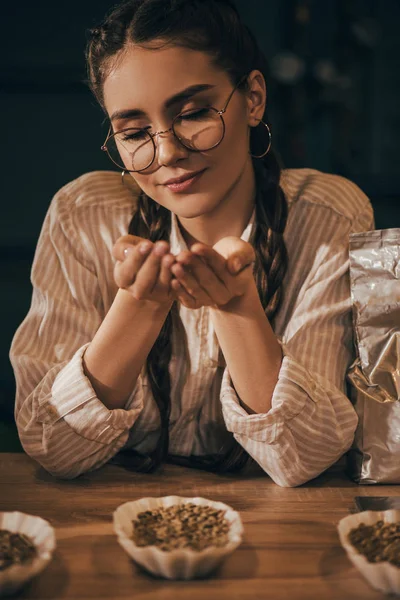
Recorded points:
(36,449)
(291,480)
(301,474)
(57,458)
(65,473)
(59,471)
(301,469)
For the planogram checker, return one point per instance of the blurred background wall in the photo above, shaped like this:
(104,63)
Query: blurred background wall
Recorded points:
(334,98)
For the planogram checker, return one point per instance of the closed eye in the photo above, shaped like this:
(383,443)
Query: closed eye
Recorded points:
(129,135)
(195,115)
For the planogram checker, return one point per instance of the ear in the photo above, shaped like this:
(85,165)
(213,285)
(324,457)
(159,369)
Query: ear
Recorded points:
(256,97)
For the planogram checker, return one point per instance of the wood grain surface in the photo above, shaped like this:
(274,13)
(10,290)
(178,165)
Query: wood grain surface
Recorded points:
(290,550)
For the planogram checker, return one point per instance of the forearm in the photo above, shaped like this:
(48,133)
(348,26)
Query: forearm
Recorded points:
(119,349)
(251,350)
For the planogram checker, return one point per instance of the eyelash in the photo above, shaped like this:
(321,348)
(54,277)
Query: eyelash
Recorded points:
(191,114)
(135,136)
(195,112)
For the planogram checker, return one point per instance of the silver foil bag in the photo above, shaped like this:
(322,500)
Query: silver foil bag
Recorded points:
(374,377)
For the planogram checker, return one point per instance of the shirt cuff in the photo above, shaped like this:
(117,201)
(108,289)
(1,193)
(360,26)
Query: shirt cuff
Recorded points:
(74,400)
(294,386)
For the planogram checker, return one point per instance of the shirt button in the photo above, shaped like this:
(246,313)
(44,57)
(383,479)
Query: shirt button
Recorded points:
(52,411)
(313,387)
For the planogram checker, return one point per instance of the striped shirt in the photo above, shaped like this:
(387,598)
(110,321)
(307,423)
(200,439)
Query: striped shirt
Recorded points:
(68,430)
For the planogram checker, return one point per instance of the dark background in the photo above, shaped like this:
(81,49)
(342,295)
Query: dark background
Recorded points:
(334,98)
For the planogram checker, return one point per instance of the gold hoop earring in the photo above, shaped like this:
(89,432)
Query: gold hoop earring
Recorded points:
(261,122)
(122,177)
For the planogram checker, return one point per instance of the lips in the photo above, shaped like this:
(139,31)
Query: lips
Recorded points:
(185,184)
(183,178)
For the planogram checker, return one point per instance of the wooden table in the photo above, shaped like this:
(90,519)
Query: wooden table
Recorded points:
(290,550)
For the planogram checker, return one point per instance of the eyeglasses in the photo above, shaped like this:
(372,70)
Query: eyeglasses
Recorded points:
(198,130)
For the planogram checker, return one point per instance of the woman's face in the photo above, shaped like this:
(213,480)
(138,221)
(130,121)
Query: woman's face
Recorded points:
(152,87)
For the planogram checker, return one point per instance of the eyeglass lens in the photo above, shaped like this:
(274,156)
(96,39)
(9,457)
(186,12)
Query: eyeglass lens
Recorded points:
(135,149)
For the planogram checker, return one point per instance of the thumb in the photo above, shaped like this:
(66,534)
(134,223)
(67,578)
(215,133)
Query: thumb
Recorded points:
(239,262)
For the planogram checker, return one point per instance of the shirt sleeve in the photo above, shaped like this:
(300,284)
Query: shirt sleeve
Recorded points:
(61,422)
(311,422)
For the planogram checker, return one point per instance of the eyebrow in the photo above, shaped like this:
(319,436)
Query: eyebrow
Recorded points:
(133,113)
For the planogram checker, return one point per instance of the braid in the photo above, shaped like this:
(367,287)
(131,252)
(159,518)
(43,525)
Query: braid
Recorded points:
(153,222)
(271,215)
(269,269)
(215,28)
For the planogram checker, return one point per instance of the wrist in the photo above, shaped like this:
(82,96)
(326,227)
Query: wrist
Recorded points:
(147,307)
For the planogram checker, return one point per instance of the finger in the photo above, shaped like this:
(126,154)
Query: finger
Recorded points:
(190,283)
(202,277)
(219,265)
(165,270)
(126,241)
(147,276)
(212,258)
(241,258)
(183,296)
(184,257)
(125,271)
(239,262)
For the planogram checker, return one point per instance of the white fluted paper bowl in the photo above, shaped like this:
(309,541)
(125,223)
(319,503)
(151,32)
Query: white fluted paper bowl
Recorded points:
(382,576)
(43,537)
(181,563)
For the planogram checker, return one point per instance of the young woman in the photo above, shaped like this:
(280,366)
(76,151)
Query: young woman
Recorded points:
(198,310)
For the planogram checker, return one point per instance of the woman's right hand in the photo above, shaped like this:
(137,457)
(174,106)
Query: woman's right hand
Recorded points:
(143,268)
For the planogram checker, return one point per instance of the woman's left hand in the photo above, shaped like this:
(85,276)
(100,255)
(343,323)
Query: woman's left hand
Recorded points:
(208,276)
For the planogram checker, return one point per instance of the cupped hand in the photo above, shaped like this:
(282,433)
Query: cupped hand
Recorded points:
(206,276)
(144,269)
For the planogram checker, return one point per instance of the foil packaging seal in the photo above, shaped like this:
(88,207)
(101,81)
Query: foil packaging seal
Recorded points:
(374,377)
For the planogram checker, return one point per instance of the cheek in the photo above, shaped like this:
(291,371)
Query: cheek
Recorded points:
(144,182)
(225,161)
(152,190)
(234,149)
(240,137)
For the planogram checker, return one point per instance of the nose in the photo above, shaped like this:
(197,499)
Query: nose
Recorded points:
(168,149)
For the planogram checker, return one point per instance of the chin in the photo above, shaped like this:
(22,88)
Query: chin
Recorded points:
(193,206)
(189,206)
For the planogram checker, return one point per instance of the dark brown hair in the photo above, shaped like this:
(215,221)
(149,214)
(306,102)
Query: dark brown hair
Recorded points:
(215,28)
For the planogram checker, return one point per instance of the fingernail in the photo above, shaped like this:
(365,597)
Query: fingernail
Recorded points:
(159,250)
(128,251)
(144,248)
(237,264)
(168,260)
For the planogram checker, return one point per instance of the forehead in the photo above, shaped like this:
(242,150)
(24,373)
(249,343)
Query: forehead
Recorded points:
(144,78)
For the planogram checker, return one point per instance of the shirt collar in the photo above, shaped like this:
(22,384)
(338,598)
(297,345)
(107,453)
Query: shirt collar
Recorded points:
(177,243)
